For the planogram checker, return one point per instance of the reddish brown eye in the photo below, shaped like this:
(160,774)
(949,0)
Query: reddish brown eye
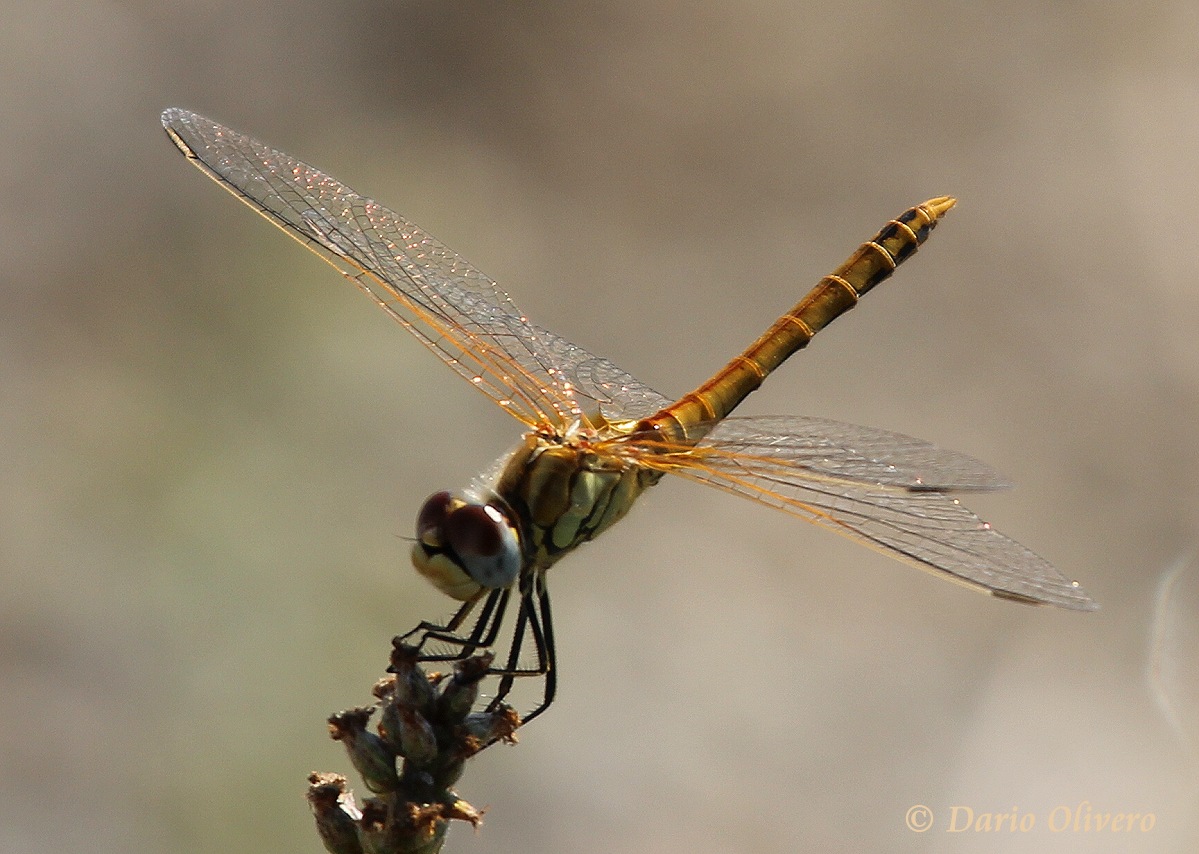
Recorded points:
(472,531)
(432,516)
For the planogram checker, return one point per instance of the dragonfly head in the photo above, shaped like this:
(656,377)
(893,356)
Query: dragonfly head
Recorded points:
(464,545)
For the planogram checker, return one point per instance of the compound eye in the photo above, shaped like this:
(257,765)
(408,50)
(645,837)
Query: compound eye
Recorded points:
(475,531)
(432,517)
(482,541)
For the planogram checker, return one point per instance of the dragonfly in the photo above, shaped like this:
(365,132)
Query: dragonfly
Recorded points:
(595,437)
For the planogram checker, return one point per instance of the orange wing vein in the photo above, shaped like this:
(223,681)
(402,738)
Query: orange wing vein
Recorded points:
(452,308)
(882,489)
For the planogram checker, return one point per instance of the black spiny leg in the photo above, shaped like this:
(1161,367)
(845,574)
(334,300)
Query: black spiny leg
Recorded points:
(512,670)
(534,614)
(547,655)
(532,618)
(482,634)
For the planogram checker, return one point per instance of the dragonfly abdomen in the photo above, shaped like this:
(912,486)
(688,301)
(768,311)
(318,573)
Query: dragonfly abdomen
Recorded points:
(876,259)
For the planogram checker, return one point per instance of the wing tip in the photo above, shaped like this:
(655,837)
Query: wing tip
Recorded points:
(173,116)
(176,122)
(1074,600)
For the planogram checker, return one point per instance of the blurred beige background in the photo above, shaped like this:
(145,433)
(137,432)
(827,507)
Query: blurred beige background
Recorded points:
(213,446)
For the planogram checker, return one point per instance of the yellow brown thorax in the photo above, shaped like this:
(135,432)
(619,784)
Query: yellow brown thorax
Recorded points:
(567,492)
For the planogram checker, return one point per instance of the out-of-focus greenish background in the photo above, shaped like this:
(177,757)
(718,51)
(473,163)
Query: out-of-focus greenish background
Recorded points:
(212,446)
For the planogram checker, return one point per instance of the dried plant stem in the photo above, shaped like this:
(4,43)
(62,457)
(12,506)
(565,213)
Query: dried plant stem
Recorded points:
(425,733)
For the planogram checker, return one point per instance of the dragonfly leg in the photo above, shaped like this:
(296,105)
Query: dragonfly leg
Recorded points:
(533,620)
(548,661)
(534,616)
(482,634)
(512,669)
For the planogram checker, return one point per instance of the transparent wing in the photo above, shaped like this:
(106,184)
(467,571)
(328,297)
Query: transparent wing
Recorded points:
(615,393)
(881,498)
(865,454)
(455,310)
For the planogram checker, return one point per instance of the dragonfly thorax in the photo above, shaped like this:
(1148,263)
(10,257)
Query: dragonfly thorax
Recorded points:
(567,492)
(465,545)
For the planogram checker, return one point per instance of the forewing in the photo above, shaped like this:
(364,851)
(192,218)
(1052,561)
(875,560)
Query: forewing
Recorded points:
(455,310)
(616,394)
